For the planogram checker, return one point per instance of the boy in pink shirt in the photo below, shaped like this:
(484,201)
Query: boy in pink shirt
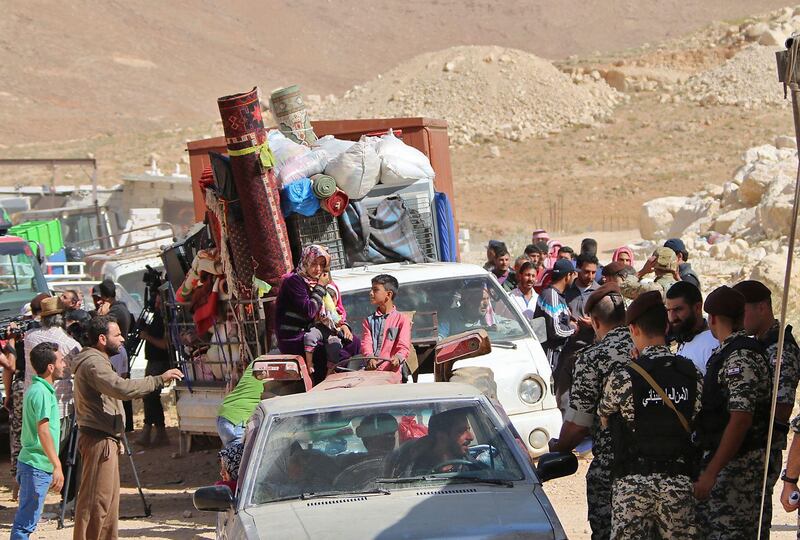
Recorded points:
(387,332)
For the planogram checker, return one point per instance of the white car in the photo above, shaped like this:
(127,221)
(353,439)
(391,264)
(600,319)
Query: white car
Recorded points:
(401,461)
(449,298)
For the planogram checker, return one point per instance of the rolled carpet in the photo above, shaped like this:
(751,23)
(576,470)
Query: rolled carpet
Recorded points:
(336,204)
(323,185)
(251,163)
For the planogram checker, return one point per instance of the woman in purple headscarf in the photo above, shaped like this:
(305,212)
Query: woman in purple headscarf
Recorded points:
(297,306)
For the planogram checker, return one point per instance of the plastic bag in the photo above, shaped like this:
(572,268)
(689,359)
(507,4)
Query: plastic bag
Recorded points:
(409,429)
(298,197)
(284,149)
(333,146)
(357,170)
(303,166)
(402,164)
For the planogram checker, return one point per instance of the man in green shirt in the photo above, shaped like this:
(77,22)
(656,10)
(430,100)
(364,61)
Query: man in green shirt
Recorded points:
(238,406)
(38,466)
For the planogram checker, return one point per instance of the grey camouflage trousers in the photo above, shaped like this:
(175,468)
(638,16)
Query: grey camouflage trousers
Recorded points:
(731,513)
(653,506)
(15,432)
(598,497)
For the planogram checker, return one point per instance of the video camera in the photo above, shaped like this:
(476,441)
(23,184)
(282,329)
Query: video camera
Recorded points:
(153,280)
(22,326)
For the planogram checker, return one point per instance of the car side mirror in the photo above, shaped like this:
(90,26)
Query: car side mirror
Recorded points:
(555,465)
(213,499)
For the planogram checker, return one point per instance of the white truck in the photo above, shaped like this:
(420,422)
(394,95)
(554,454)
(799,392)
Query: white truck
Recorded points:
(445,299)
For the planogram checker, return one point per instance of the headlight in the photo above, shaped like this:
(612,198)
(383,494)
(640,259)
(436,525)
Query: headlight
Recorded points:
(531,391)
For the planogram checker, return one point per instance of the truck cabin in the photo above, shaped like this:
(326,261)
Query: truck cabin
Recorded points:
(21,276)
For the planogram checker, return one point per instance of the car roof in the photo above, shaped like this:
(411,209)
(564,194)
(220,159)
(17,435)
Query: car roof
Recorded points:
(357,278)
(367,395)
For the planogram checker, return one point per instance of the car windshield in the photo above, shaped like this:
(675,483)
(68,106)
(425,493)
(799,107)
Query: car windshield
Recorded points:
(382,447)
(20,275)
(445,307)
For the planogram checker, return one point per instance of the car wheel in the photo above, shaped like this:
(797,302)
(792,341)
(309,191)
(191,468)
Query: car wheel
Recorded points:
(481,378)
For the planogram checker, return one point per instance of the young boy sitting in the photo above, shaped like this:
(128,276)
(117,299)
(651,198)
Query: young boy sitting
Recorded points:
(387,332)
(38,466)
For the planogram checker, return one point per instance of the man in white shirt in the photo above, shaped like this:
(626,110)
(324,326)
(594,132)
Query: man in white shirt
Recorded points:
(524,295)
(688,326)
(52,331)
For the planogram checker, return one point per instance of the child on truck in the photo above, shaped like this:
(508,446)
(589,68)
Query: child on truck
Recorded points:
(387,332)
(327,325)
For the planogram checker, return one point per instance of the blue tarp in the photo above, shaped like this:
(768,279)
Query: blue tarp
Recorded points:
(448,243)
(298,197)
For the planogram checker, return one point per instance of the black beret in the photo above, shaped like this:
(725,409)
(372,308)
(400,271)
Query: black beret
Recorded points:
(613,268)
(643,303)
(600,293)
(725,301)
(753,291)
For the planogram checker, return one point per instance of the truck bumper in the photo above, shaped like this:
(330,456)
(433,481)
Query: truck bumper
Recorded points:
(536,428)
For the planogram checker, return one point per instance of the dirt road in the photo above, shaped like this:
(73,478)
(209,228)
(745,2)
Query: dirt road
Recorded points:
(170,481)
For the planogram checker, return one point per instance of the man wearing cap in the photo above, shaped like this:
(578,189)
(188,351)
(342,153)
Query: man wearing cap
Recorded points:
(648,407)
(688,326)
(553,307)
(664,264)
(52,331)
(593,366)
(760,322)
(733,423)
(684,268)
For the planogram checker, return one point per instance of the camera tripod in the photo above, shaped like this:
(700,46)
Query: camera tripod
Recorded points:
(72,452)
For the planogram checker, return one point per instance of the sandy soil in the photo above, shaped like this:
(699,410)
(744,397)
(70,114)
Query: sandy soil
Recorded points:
(81,69)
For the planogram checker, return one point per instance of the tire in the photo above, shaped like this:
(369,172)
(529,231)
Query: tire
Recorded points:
(481,378)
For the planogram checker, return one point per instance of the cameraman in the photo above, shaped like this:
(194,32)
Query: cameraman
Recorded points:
(157,355)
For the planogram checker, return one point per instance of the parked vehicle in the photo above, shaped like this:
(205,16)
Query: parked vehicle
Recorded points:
(436,296)
(306,471)
(21,276)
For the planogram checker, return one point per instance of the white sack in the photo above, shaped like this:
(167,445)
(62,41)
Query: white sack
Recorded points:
(283,149)
(304,166)
(402,164)
(333,146)
(357,170)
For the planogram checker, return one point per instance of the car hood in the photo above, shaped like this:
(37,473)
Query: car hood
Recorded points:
(468,511)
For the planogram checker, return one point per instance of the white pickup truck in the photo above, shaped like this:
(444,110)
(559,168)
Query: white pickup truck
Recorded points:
(449,298)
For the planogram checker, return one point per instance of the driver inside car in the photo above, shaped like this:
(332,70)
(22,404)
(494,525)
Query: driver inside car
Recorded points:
(474,311)
(444,449)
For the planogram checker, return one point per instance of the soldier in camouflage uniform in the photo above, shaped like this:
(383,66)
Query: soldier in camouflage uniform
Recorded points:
(653,458)
(736,403)
(593,366)
(759,321)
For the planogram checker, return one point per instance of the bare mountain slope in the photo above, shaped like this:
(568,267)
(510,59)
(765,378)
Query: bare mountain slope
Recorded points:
(85,67)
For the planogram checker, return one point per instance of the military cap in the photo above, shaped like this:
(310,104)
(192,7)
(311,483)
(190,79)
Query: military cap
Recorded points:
(643,303)
(725,301)
(753,291)
(600,293)
(613,268)
(665,259)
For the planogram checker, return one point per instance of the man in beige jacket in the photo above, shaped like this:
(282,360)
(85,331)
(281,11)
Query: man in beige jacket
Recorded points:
(101,423)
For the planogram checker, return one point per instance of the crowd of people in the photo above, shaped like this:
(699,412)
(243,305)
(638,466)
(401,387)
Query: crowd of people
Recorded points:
(673,390)
(66,375)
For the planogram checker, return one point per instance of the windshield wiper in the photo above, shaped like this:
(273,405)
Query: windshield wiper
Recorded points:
(479,479)
(317,495)
(407,479)
(504,344)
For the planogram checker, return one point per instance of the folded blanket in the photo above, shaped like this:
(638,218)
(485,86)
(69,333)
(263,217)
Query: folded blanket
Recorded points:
(336,204)
(323,185)
(298,197)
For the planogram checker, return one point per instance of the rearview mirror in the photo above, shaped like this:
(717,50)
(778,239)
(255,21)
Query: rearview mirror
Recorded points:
(213,499)
(555,465)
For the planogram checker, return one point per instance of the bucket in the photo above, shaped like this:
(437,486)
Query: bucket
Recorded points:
(289,111)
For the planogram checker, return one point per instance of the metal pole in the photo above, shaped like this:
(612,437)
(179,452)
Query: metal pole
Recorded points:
(784,297)
(147,511)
